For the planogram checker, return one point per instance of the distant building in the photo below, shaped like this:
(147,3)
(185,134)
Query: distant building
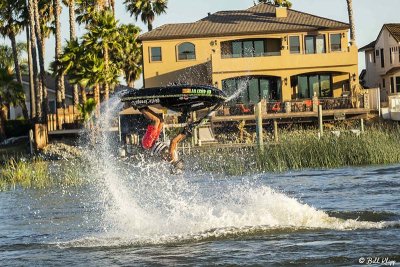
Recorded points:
(282,54)
(16,112)
(382,61)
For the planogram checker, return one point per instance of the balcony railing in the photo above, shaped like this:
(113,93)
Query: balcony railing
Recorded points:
(263,54)
(293,106)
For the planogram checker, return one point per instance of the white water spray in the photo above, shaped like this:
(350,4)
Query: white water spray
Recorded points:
(143,203)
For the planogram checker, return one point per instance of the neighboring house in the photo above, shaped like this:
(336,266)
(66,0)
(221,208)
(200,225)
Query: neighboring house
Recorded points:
(382,61)
(16,112)
(279,54)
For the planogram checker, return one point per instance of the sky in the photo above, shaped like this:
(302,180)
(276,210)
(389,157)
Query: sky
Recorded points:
(369,16)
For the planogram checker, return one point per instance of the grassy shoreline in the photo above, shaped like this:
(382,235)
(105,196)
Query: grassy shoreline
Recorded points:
(37,173)
(298,150)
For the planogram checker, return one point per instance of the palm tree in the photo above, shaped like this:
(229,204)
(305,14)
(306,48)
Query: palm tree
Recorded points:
(11,93)
(130,57)
(59,77)
(351,21)
(87,9)
(103,34)
(6,62)
(11,25)
(72,36)
(86,110)
(33,66)
(283,3)
(146,9)
(83,65)
(42,95)
(70,62)
(30,71)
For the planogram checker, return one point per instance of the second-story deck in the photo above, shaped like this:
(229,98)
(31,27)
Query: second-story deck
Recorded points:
(340,108)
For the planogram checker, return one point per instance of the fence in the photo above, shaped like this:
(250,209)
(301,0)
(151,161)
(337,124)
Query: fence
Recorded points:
(68,118)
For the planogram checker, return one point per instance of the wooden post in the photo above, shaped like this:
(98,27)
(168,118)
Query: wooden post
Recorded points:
(259,128)
(276,131)
(320,123)
(31,141)
(362,125)
(195,139)
(120,133)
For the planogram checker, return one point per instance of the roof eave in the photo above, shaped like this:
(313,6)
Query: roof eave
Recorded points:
(160,38)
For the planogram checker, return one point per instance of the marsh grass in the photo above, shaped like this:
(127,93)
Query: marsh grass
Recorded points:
(37,173)
(27,174)
(303,149)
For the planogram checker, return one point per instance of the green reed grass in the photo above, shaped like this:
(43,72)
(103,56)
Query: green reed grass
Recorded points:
(303,149)
(40,174)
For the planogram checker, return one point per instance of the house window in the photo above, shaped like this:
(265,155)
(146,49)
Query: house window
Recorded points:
(370,55)
(257,88)
(251,48)
(155,54)
(377,52)
(383,83)
(382,59)
(318,84)
(392,88)
(391,52)
(315,44)
(398,84)
(186,51)
(294,42)
(336,42)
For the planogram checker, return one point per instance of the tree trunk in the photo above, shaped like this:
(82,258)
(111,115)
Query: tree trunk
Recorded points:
(351,21)
(72,36)
(59,78)
(83,94)
(18,71)
(40,46)
(3,118)
(15,56)
(112,5)
(37,90)
(96,94)
(71,9)
(45,103)
(31,78)
(106,68)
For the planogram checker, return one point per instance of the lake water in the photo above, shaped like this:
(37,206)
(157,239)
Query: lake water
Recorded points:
(132,215)
(135,213)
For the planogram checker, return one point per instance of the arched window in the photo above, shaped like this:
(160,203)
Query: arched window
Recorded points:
(186,51)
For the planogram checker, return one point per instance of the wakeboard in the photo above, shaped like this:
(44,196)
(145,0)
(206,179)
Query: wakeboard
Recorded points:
(180,98)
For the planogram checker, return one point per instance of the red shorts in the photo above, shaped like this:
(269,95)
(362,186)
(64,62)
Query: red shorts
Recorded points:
(150,137)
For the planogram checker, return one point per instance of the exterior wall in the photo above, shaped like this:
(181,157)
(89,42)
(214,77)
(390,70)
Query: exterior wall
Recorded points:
(376,75)
(371,77)
(171,70)
(210,68)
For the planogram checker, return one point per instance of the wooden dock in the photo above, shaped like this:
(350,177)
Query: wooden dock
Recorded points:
(337,114)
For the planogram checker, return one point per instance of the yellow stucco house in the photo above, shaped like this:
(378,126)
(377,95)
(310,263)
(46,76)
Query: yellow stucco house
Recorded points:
(278,54)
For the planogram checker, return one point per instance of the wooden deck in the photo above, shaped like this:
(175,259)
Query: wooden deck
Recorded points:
(355,113)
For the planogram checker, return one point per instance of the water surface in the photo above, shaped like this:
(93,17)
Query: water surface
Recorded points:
(129,217)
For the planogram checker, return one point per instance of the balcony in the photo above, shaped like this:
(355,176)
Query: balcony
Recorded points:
(273,61)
